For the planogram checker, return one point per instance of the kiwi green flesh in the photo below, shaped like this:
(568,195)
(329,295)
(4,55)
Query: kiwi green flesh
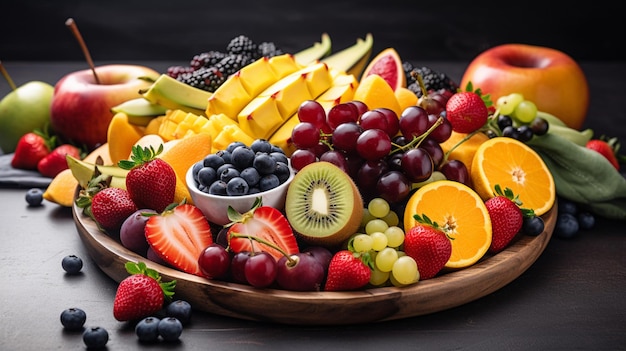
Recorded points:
(323,204)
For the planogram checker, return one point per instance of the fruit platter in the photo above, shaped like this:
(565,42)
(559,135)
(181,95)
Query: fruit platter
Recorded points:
(319,188)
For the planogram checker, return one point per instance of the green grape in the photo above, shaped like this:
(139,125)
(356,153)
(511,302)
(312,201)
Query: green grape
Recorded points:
(395,236)
(435,176)
(378,207)
(378,278)
(367,216)
(379,241)
(376,225)
(362,242)
(507,104)
(391,218)
(386,258)
(525,111)
(404,271)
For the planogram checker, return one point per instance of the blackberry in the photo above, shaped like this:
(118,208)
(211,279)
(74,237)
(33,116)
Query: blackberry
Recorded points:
(268,49)
(241,45)
(205,78)
(432,79)
(233,63)
(206,59)
(175,71)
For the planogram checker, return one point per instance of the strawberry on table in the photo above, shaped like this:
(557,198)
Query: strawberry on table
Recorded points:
(141,294)
(348,271)
(506,217)
(30,149)
(55,162)
(151,181)
(429,246)
(264,222)
(466,111)
(178,235)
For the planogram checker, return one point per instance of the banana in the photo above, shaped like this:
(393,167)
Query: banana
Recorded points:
(314,53)
(83,172)
(173,94)
(353,59)
(579,137)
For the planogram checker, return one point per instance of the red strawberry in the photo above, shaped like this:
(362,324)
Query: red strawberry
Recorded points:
(347,271)
(506,217)
(179,235)
(466,112)
(141,294)
(263,222)
(605,149)
(111,206)
(56,161)
(151,181)
(30,149)
(429,246)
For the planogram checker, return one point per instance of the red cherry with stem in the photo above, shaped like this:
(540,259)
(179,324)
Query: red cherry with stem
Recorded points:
(393,186)
(417,165)
(261,269)
(237,267)
(300,272)
(373,144)
(214,262)
(456,170)
(413,122)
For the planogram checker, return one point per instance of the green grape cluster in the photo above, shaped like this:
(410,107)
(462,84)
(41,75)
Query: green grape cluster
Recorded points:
(381,236)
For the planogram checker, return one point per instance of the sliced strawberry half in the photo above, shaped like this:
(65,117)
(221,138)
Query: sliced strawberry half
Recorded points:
(263,222)
(179,235)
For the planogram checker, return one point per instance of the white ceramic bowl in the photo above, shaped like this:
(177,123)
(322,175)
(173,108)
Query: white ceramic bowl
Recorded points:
(215,207)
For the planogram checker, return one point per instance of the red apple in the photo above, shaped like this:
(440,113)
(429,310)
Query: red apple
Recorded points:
(81,108)
(548,77)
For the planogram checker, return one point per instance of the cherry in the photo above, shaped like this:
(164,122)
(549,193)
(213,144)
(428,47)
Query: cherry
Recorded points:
(260,269)
(300,272)
(214,261)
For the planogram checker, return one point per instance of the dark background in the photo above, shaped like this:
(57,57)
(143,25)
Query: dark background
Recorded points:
(34,30)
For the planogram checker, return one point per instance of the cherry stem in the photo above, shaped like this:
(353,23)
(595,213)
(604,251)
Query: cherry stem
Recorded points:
(6,76)
(418,139)
(71,24)
(264,242)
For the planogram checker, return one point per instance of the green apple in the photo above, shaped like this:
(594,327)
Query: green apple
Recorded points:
(23,110)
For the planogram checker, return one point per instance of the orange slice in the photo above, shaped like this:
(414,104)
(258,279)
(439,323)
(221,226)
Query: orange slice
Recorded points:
(514,165)
(461,212)
(187,151)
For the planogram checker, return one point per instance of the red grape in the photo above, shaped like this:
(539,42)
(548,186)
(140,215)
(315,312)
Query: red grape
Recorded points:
(393,186)
(413,122)
(345,136)
(373,144)
(301,158)
(417,165)
(337,158)
(312,111)
(305,135)
(457,171)
(342,113)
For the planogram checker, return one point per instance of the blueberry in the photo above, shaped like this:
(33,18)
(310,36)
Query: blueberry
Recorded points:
(228,174)
(206,176)
(533,226)
(95,337)
(282,172)
(268,182)
(170,328)
(567,206)
(224,167)
(504,121)
(196,169)
(254,190)
(586,220)
(34,197)
(242,157)
(261,145)
(235,144)
(72,264)
(566,226)
(277,149)
(525,133)
(280,157)
(237,186)
(73,318)
(218,188)
(213,160)
(225,155)
(180,309)
(251,176)
(264,163)
(147,329)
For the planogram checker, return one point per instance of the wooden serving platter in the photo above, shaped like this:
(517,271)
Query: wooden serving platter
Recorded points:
(327,308)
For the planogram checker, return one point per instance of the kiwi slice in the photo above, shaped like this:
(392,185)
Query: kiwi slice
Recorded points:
(323,205)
